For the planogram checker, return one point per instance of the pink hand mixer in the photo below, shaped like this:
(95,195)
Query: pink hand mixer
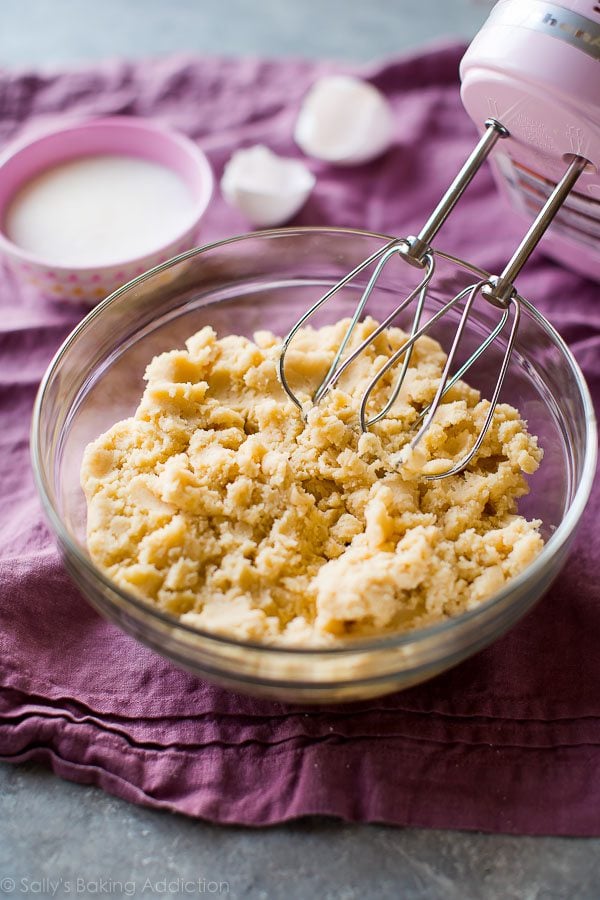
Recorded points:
(531,82)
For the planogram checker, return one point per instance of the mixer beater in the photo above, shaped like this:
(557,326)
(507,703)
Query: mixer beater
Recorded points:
(533,68)
(419,252)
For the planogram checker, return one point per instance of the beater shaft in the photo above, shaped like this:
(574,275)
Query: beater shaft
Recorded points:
(503,286)
(421,244)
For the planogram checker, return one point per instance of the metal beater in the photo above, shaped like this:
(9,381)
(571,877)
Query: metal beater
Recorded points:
(529,19)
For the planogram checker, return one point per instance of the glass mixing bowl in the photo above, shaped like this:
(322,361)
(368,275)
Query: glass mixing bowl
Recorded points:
(261,281)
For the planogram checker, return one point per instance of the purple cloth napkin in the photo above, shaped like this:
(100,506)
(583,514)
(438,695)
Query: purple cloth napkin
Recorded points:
(508,741)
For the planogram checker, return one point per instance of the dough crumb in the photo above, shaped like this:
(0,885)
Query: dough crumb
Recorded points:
(219,503)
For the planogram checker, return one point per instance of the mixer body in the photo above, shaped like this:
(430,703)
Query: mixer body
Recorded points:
(535,67)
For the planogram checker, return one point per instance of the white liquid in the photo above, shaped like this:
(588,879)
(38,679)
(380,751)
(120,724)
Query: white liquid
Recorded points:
(99,210)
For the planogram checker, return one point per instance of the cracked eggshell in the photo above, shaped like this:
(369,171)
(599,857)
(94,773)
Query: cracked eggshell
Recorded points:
(268,189)
(344,120)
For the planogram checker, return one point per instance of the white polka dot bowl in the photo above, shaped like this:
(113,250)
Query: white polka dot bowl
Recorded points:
(122,136)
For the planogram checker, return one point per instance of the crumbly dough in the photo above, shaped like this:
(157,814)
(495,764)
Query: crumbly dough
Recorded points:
(218,503)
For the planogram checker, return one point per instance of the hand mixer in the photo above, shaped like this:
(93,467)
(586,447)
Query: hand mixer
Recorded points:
(532,77)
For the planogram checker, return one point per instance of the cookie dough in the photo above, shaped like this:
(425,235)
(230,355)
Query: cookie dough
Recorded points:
(218,503)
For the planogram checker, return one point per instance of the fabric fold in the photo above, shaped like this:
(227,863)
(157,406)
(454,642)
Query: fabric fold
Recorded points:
(374,780)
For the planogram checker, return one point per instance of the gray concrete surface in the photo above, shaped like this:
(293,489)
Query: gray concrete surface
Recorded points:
(53,830)
(53,833)
(49,32)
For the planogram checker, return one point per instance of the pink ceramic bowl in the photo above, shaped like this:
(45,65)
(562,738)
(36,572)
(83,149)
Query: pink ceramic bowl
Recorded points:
(119,135)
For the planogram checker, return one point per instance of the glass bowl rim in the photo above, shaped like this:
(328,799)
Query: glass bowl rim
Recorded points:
(416,636)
